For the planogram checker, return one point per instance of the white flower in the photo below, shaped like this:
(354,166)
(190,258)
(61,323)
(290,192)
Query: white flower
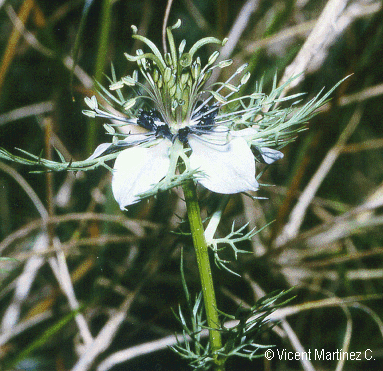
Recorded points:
(222,160)
(187,136)
(224,168)
(137,170)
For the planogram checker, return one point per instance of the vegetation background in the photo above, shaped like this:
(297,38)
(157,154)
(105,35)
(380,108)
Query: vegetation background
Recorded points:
(84,286)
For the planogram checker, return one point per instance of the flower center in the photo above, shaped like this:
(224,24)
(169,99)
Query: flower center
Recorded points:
(151,120)
(203,121)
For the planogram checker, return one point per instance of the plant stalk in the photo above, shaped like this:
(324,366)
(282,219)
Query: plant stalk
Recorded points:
(202,254)
(102,58)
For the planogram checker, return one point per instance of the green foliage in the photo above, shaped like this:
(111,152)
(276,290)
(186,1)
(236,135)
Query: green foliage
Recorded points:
(326,239)
(240,331)
(41,341)
(5,259)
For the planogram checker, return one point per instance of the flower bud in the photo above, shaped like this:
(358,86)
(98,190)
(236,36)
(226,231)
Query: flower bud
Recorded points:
(186,60)
(213,57)
(129,103)
(225,63)
(182,47)
(196,70)
(168,59)
(91,102)
(167,74)
(245,78)
(129,81)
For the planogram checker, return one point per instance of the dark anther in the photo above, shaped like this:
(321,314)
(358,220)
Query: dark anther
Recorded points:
(155,114)
(147,118)
(202,112)
(146,121)
(206,122)
(207,116)
(153,121)
(164,131)
(183,134)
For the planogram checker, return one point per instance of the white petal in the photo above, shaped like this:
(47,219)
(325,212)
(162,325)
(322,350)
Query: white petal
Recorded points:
(270,155)
(99,150)
(135,138)
(245,133)
(137,169)
(227,168)
(131,140)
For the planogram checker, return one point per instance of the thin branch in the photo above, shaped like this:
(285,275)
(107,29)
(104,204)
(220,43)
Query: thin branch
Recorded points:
(258,292)
(105,336)
(235,33)
(282,36)
(198,17)
(349,257)
(34,43)
(72,247)
(320,38)
(346,338)
(62,274)
(134,226)
(333,21)
(368,93)
(297,345)
(280,314)
(26,111)
(10,50)
(27,189)
(367,145)
(28,36)
(238,28)
(23,284)
(298,213)
(24,325)
(82,76)
(165,23)
(142,349)
(60,269)
(297,275)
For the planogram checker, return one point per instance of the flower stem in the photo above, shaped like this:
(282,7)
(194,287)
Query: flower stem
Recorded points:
(202,254)
(101,60)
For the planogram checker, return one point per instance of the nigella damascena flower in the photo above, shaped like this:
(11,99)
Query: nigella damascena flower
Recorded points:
(190,131)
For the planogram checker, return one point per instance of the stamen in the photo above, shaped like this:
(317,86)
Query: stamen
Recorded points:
(103,114)
(236,113)
(206,111)
(215,143)
(183,133)
(239,71)
(164,130)
(116,147)
(196,130)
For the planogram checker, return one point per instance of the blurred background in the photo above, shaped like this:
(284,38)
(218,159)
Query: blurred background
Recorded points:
(83,284)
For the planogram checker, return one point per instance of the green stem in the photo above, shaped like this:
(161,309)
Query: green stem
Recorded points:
(202,254)
(102,57)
